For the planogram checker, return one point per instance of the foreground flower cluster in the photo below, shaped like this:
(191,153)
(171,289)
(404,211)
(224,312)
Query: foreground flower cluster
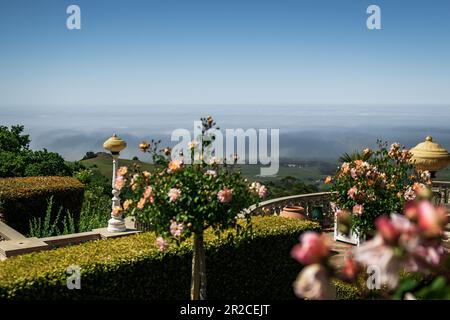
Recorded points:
(411,242)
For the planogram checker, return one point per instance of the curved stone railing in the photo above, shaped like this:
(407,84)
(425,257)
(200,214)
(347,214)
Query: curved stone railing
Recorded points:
(442,191)
(307,201)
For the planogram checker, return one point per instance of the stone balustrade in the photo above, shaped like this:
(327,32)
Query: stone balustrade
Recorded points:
(307,201)
(441,190)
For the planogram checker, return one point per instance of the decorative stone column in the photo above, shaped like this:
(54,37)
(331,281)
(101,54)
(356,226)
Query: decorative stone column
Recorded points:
(115,145)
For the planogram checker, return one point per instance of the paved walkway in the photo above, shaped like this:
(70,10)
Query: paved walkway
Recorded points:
(339,249)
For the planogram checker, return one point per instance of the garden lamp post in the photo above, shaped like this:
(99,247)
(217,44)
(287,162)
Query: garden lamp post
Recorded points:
(430,156)
(115,145)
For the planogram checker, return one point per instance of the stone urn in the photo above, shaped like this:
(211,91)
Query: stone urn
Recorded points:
(293,212)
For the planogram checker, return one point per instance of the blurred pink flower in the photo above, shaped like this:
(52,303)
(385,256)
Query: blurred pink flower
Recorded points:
(225,195)
(350,269)
(314,283)
(388,232)
(313,247)
(381,258)
(162,244)
(119,183)
(358,209)
(174,194)
(431,219)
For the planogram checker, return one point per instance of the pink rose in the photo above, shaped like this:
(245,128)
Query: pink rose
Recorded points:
(147,193)
(387,230)
(358,209)
(174,194)
(119,183)
(162,244)
(263,191)
(225,195)
(176,229)
(313,247)
(431,219)
(352,192)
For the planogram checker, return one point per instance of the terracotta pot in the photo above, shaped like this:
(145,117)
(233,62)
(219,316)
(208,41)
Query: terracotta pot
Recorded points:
(293,212)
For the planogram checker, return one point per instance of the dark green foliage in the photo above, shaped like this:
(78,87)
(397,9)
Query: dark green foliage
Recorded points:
(245,267)
(22,199)
(17,160)
(89,155)
(288,186)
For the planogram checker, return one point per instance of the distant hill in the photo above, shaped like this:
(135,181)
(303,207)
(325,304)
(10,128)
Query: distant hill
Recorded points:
(103,162)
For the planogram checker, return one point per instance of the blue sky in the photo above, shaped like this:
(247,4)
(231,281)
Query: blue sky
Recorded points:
(223,52)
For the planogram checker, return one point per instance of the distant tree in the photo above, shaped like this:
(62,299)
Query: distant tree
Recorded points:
(17,160)
(89,155)
(135,158)
(12,140)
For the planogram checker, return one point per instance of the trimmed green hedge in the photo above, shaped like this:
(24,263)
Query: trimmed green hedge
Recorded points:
(133,268)
(22,199)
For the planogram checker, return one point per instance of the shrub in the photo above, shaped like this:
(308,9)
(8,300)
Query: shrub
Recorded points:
(256,266)
(17,160)
(22,199)
(376,183)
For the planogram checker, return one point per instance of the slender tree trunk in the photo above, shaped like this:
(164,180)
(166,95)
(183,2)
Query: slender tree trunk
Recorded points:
(198,281)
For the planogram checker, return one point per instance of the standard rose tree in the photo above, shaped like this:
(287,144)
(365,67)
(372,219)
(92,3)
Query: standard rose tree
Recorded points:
(178,200)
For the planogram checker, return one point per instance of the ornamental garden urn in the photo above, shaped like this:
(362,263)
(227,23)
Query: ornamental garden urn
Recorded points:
(430,156)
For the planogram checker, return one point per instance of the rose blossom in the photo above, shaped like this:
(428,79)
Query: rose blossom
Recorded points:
(409,194)
(175,165)
(225,195)
(431,219)
(162,244)
(313,283)
(127,204)
(377,253)
(193,144)
(350,269)
(117,211)
(358,209)
(211,173)
(120,182)
(176,229)
(352,192)
(147,193)
(328,180)
(263,192)
(313,247)
(174,194)
(387,230)
(141,203)
(122,171)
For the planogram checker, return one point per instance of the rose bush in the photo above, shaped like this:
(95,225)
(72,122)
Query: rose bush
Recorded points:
(379,182)
(178,200)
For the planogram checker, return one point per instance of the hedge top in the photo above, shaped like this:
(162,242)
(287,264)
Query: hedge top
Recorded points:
(26,186)
(28,268)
